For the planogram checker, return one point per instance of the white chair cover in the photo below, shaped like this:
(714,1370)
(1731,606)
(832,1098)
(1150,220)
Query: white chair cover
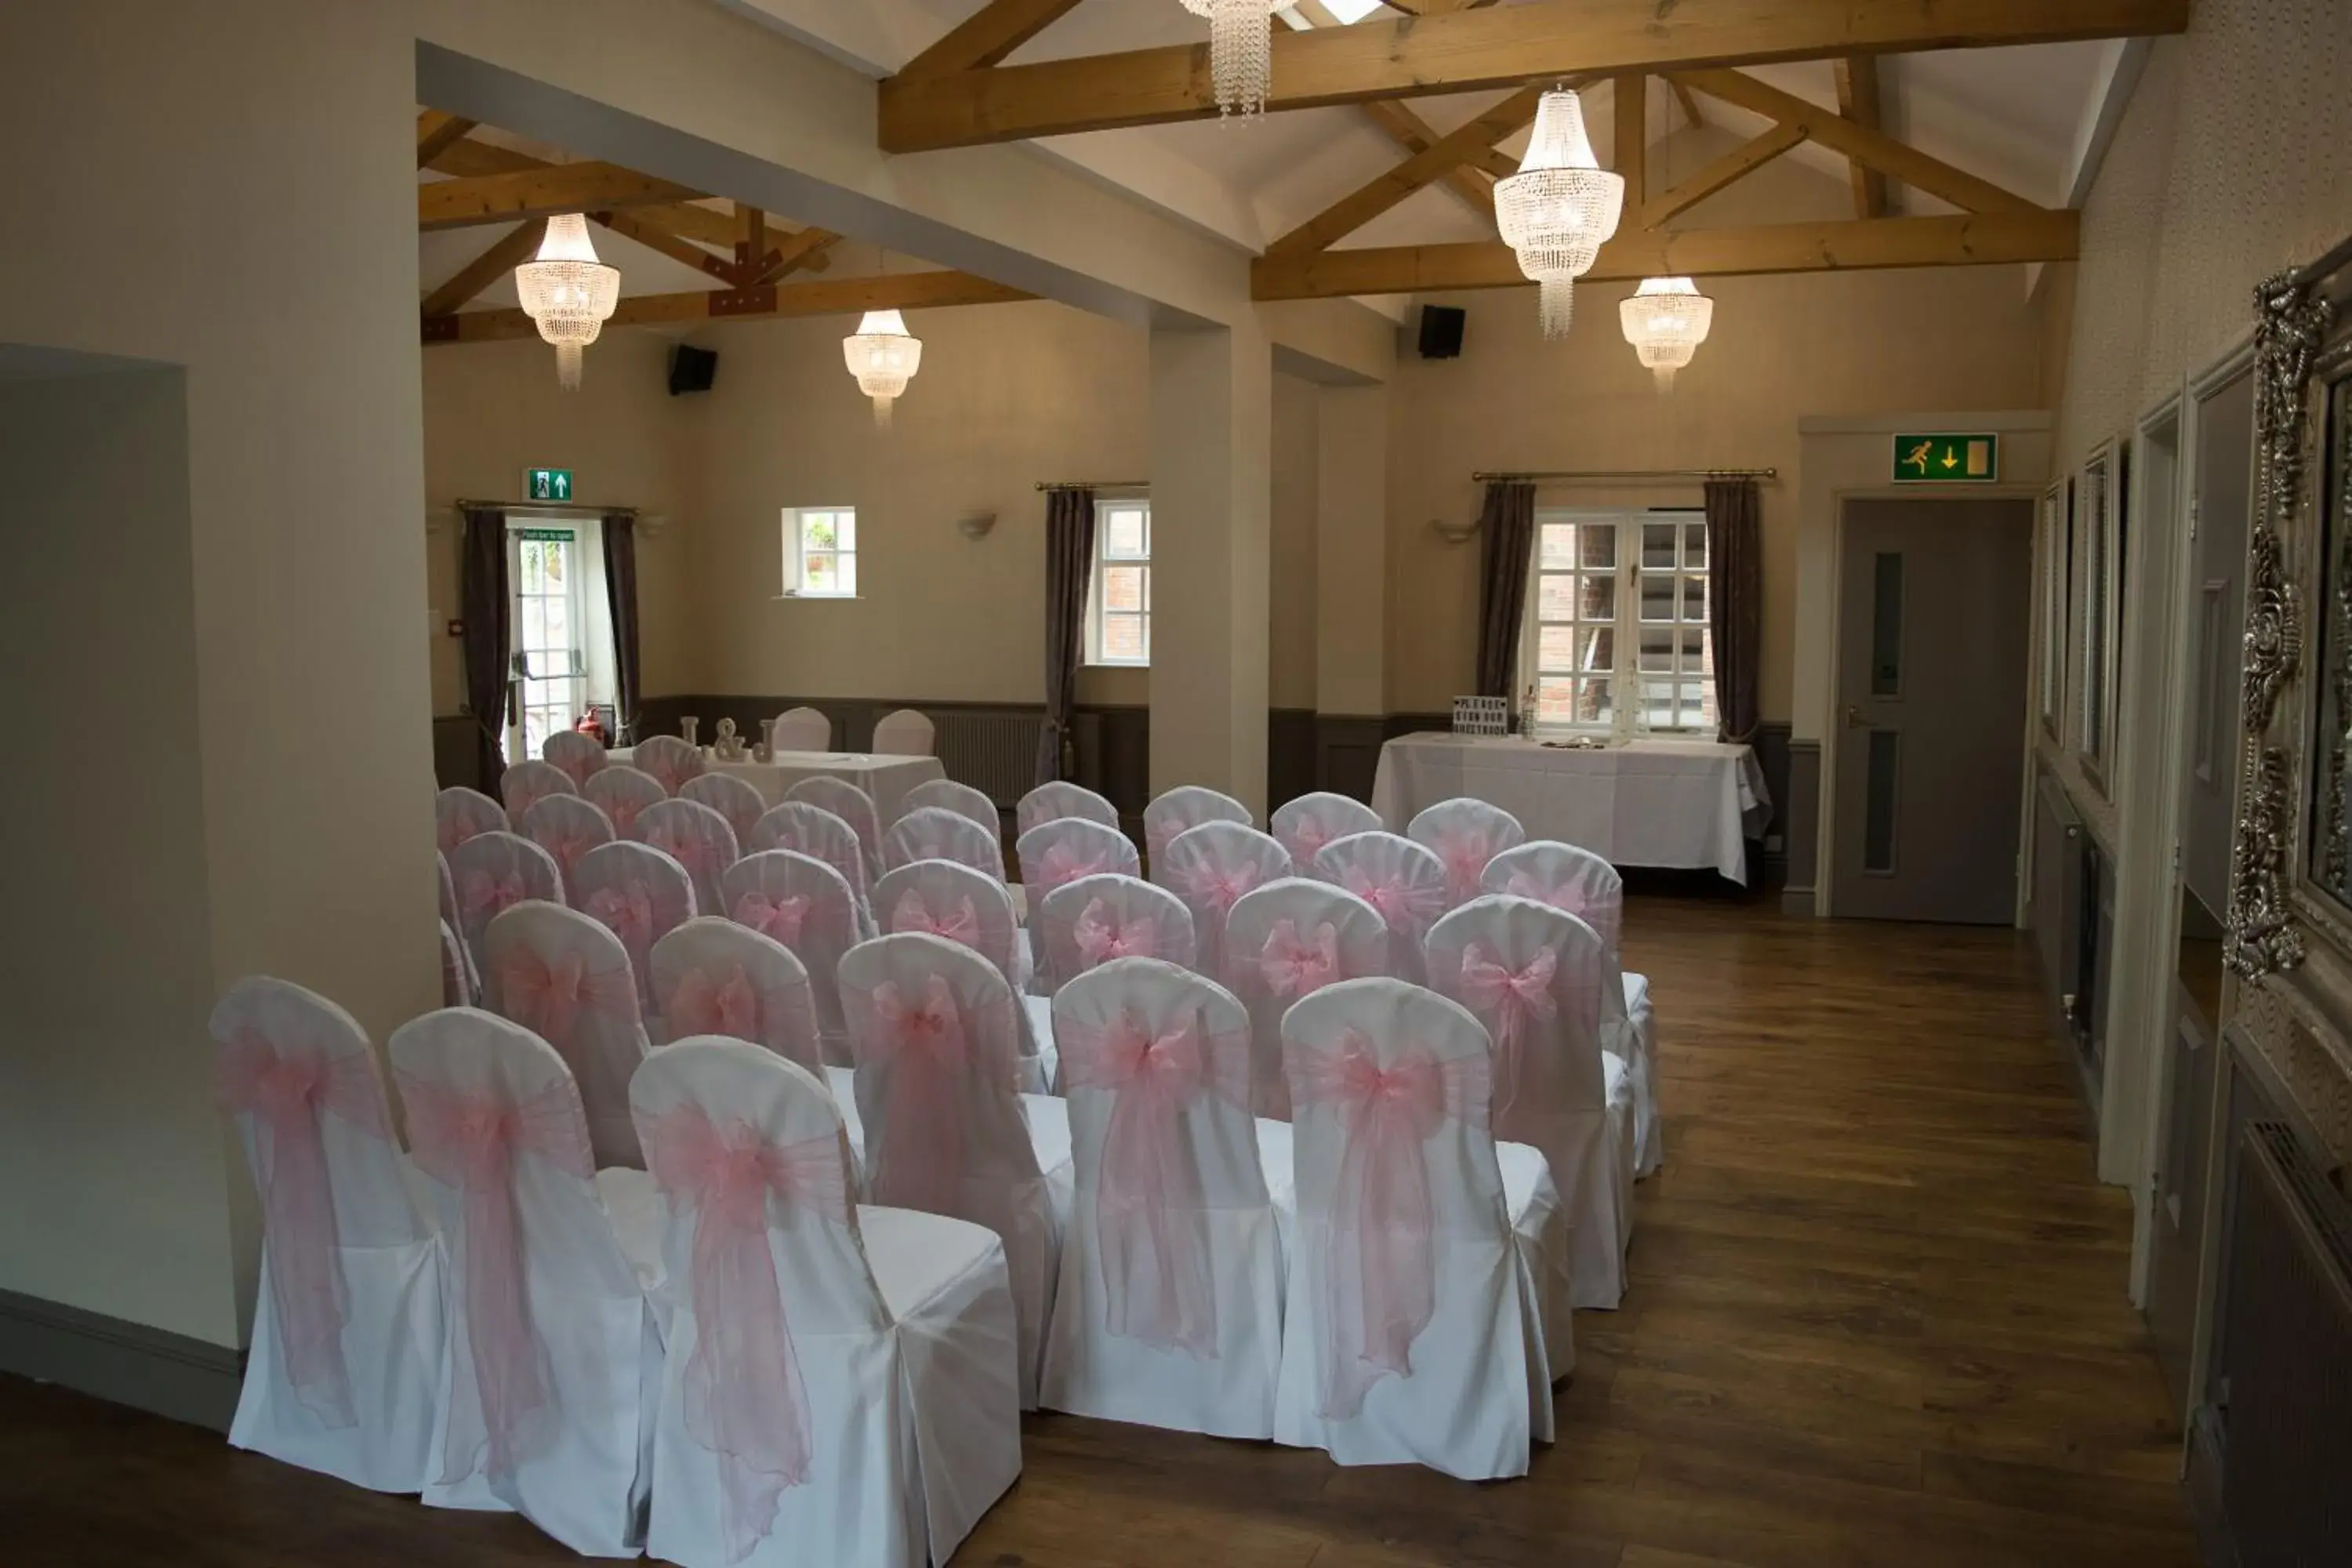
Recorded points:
(1305,825)
(1287,940)
(934,833)
(694,836)
(812,829)
(1187,806)
(492,873)
(622,791)
(855,1399)
(945,1129)
(715,977)
(453,921)
(803,729)
(962,905)
(669,760)
(640,895)
(1097,918)
(347,1317)
(1534,977)
(1397,876)
(1168,1311)
(853,805)
(1464,833)
(567,980)
(552,1359)
(741,805)
(960,798)
(1054,854)
(1057,798)
(531,781)
(903,732)
(457,979)
(1568,876)
(459,813)
(1411,1327)
(1210,868)
(567,827)
(580,755)
(803,903)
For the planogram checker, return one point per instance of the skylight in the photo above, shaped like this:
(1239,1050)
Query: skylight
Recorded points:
(1351,10)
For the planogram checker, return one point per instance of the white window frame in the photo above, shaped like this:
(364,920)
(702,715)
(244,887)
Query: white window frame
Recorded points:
(2101,495)
(2056,541)
(1630,713)
(578,663)
(1104,558)
(795,553)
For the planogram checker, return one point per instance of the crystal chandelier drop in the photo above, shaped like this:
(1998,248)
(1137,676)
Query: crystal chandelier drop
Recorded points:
(1665,320)
(1560,207)
(568,293)
(1241,51)
(884,356)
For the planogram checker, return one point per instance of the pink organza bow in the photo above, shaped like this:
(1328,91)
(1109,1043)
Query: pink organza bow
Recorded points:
(1150,1211)
(707,1003)
(779,917)
(1061,864)
(1380,1264)
(911,914)
(1464,853)
(1513,998)
(1306,840)
(1100,937)
(1291,965)
(930,1064)
(623,811)
(470,1140)
(628,912)
(1219,887)
(485,896)
(285,1093)
(1405,909)
(1159,836)
(548,997)
(568,846)
(744,1399)
(690,848)
(1566,895)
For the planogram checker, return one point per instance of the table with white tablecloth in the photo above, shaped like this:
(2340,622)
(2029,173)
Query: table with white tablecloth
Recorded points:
(1651,802)
(885,779)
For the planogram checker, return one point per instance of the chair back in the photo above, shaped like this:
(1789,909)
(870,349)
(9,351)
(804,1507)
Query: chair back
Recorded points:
(806,904)
(1094,919)
(730,797)
(622,791)
(1056,852)
(671,760)
(454,923)
(529,782)
(810,829)
(1399,879)
(853,805)
(1210,868)
(712,976)
(567,980)
(694,836)
(1285,941)
(459,814)
(1465,835)
(640,895)
(803,729)
(903,732)
(1567,877)
(954,901)
(934,833)
(579,754)
(959,798)
(567,827)
(457,976)
(1059,798)
(492,872)
(1187,806)
(1305,825)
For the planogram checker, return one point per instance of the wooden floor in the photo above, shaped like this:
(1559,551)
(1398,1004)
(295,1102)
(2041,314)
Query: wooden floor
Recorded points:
(1875,1316)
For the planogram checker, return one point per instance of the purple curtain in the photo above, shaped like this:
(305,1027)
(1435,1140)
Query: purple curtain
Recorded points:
(1507,535)
(482,594)
(1069,567)
(1734,563)
(621,589)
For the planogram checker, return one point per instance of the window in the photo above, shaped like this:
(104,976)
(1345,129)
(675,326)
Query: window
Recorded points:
(2102,604)
(549,637)
(2055,546)
(1616,637)
(1118,602)
(820,553)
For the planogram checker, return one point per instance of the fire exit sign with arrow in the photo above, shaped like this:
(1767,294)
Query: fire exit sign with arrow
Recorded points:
(1947,459)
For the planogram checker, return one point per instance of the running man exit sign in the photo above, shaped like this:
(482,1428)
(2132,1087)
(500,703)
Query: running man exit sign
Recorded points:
(547,484)
(1947,459)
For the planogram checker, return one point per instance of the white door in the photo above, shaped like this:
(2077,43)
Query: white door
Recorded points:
(548,632)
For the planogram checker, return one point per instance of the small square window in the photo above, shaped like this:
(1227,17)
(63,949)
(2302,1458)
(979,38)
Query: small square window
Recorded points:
(820,553)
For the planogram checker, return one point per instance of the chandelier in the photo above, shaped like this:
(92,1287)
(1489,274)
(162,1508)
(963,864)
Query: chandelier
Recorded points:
(567,293)
(1560,207)
(1241,51)
(884,356)
(1665,320)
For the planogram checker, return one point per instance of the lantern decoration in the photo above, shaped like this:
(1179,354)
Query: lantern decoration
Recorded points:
(1665,320)
(884,356)
(1560,207)
(567,293)
(1241,51)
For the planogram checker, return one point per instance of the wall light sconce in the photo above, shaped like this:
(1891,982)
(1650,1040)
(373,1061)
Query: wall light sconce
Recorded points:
(976,525)
(1452,532)
(652,525)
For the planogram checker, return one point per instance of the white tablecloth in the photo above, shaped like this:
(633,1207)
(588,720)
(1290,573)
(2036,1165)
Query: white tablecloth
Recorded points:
(1659,802)
(885,779)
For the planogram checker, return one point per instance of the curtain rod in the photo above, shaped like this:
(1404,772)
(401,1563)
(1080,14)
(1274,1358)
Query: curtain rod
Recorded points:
(1601,474)
(1094,484)
(543,506)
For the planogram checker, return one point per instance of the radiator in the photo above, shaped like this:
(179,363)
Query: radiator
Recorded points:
(2287,1359)
(996,754)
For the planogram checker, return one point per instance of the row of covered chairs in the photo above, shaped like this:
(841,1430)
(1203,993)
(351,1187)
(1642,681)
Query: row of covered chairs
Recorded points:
(579,756)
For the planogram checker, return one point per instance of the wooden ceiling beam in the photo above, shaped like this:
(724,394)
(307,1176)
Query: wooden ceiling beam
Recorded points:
(1631,109)
(1473,181)
(803,251)
(540,193)
(1859,245)
(505,254)
(1858,100)
(1737,165)
(636,225)
(1366,203)
(435,133)
(987,35)
(1460,51)
(843,297)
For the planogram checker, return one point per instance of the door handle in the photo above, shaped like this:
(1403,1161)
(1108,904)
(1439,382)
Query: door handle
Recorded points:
(1854,719)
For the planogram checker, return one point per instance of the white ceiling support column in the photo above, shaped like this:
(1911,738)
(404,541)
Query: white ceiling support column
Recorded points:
(1352,510)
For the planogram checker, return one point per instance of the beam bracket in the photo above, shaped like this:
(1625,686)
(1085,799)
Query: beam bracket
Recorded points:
(757,301)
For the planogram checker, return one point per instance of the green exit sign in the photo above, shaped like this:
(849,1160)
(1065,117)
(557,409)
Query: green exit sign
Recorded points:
(1947,459)
(547,484)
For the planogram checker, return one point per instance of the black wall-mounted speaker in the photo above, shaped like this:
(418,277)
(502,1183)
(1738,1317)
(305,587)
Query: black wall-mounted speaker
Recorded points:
(692,368)
(1441,331)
